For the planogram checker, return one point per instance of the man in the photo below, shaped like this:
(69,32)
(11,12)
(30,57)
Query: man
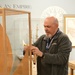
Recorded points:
(52,50)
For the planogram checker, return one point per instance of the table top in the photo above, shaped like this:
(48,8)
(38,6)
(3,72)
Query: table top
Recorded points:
(72,64)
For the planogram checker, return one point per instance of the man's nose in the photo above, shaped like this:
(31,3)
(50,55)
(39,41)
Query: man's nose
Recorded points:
(46,28)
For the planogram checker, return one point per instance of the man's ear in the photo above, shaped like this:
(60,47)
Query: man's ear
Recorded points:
(57,25)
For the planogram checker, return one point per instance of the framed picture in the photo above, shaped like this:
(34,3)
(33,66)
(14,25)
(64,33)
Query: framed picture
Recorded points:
(69,27)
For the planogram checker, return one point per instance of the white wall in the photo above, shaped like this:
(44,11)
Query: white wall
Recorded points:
(37,7)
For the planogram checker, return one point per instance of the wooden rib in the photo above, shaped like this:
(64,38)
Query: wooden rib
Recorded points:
(6,58)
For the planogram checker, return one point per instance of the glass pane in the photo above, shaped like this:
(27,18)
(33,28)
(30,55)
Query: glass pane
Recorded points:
(17,29)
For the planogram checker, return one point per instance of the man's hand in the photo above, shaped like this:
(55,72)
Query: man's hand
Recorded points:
(36,51)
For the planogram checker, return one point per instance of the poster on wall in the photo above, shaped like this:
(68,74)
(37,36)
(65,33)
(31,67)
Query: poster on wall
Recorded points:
(69,27)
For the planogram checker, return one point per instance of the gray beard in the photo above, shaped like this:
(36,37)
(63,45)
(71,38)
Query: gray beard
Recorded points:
(49,36)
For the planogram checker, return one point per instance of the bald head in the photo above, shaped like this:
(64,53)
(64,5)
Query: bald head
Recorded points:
(52,20)
(51,25)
